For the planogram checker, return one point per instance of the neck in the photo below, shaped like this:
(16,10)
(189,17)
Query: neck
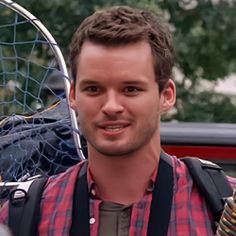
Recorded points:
(123,179)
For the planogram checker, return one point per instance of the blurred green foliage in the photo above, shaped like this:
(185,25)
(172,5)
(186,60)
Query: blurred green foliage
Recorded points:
(204,35)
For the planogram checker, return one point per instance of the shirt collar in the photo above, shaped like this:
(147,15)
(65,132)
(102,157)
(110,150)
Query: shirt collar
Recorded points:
(92,184)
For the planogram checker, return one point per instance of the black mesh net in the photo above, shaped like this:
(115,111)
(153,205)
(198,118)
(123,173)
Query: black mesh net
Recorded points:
(35,127)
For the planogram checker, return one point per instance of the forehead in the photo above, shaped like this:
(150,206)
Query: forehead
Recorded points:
(132,56)
(92,48)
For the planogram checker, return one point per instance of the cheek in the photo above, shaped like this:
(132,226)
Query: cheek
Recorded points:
(86,108)
(149,104)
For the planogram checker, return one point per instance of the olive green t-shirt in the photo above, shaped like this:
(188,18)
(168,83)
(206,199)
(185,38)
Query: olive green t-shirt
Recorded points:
(114,219)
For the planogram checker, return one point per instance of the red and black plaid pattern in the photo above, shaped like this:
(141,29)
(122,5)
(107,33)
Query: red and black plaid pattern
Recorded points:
(189,215)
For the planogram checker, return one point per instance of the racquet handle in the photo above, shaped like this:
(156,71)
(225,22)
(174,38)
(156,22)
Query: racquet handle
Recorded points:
(227,224)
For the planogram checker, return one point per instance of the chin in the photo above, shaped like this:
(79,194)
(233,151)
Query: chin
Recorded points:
(113,151)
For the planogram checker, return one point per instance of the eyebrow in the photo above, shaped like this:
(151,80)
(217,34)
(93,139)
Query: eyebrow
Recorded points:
(127,82)
(134,82)
(88,81)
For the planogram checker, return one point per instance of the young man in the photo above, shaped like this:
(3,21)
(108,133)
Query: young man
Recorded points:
(121,62)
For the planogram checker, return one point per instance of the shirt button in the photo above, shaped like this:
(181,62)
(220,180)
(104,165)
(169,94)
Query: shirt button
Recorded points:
(93,192)
(92,221)
(124,214)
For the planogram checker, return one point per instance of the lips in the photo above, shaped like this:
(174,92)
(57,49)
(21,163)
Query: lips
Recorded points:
(113,126)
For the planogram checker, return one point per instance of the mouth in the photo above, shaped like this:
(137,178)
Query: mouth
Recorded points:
(114,128)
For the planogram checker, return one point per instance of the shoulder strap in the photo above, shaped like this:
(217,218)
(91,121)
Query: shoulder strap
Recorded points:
(162,199)
(24,211)
(80,213)
(211,182)
(160,206)
(209,178)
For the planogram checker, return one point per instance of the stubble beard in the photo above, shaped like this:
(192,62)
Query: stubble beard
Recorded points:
(142,137)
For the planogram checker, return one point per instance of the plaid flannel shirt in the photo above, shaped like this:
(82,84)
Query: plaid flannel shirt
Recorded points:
(189,214)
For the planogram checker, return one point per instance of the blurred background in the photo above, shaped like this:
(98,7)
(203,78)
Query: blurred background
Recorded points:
(202,123)
(204,35)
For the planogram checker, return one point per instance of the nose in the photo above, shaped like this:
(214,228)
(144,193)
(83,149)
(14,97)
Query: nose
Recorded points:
(112,104)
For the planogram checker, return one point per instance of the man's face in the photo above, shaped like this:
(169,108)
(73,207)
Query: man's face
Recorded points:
(116,98)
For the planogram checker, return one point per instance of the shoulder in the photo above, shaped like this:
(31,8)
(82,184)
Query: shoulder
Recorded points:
(56,203)
(190,212)
(54,185)
(207,177)
(181,175)
(62,181)
(181,171)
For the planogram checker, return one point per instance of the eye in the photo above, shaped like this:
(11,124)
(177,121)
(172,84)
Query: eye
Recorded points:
(92,90)
(131,90)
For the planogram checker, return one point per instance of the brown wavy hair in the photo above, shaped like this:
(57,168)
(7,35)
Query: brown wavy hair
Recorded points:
(122,25)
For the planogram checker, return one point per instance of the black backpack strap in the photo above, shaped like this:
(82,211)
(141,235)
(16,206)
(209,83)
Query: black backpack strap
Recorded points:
(80,213)
(24,211)
(211,182)
(209,178)
(160,206)
(162,199)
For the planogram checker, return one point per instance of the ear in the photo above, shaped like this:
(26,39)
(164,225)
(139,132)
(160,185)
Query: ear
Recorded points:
(168,96)
(72,100)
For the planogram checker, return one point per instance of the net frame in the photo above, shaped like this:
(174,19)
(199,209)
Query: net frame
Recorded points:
(36,23)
